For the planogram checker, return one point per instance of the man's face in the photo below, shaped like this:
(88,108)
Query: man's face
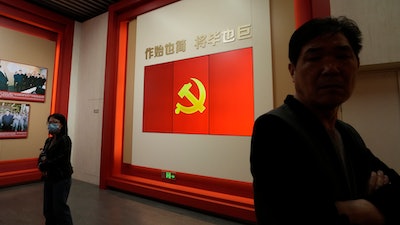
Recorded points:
(325,71)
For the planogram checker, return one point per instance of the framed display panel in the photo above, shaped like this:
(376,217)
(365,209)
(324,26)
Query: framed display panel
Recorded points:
(120,167)
(30,22)
(22,82)
(227,191)
(14,120)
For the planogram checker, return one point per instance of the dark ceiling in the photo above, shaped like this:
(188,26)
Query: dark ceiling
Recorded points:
(79,10)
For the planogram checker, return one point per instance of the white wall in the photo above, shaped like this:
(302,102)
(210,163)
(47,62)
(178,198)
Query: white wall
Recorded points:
(86,97)
(374,108)
(379,22)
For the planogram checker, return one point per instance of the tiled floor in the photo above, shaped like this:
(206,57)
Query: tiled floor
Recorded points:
(22,205)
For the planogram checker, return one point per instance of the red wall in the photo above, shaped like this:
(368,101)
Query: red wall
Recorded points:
(307,9)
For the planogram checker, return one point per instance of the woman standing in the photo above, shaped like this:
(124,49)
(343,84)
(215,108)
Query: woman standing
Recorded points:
(55,164)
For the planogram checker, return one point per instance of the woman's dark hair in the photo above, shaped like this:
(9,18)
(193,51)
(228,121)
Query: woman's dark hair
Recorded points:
(63,121)
(323,26)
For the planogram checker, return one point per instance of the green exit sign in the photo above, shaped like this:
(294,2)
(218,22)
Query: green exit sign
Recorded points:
(168,175)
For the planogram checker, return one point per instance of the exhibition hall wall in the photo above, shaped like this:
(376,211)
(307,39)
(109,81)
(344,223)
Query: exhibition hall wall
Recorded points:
(113,106)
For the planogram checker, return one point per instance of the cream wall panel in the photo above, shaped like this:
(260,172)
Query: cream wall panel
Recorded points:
(379,22)
(129,89)
(282,27)
(374,107)
(374,110)
(87,90)
(73,89)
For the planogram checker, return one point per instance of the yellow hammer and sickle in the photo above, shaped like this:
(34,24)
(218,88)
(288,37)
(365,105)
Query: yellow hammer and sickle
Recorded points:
(197,103)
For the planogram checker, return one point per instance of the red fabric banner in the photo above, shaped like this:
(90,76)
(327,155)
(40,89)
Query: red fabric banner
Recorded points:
(211,94)
(158,98)
(231,93)
(189,94)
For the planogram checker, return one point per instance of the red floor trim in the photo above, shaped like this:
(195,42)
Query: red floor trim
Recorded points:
(231,206)
(14,172)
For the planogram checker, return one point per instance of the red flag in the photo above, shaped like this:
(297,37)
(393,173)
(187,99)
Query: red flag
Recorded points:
(231,92)
(204,95)
(190,96)
(158,98)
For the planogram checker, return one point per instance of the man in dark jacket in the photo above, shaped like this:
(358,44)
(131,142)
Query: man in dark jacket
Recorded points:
(7,121)
(3,80)
(308,166)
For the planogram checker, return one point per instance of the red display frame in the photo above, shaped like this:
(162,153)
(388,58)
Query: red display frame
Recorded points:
(33,20)
(209,196)
(147,181)
(25,17)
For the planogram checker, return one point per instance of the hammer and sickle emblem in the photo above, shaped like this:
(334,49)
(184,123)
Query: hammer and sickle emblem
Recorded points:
(197,103)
